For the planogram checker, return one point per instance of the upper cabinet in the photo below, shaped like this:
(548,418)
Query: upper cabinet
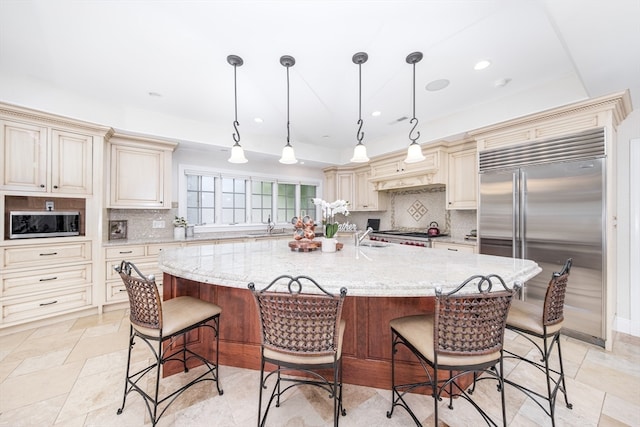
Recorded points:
(45,157)
(139,172)
(462,181)
(390,172)
(354,186)
(367,198)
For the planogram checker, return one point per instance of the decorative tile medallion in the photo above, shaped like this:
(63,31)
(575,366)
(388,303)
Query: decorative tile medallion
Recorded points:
(417,210)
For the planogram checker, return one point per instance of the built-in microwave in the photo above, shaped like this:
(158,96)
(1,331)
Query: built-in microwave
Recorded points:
(31,224)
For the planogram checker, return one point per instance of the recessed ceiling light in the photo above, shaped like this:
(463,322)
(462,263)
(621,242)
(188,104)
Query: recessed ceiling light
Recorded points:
(376,113)
(156,94)
(437,85)
(258,120)
(481,65)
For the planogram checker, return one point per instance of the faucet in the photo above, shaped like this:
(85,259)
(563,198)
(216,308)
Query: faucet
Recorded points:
(270,225)
(359,238)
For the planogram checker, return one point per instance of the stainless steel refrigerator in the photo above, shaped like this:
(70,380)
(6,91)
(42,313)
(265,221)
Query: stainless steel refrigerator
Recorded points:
(545,201)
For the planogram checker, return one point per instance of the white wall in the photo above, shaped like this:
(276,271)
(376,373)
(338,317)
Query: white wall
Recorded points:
(628,246)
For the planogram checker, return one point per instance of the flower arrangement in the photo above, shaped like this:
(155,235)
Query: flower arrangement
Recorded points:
(329,211)
(180,222)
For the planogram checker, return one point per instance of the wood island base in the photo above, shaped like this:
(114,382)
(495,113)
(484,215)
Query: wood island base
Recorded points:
(367,341)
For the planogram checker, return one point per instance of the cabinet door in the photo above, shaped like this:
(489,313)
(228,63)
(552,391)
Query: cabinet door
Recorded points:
(462,183)
(344,186)
(366,196)
(71,162)
(24,163)
(138,177)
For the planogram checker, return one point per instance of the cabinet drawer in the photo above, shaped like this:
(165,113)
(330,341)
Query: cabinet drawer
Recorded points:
(45,305)
(29,256)
(156,249)
(44,279)
(124,252)
(455,247)
(116,291)
(146,267)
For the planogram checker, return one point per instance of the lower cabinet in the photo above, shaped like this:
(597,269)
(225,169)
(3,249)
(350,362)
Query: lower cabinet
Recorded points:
(455,247)
(44,280)
(145,257)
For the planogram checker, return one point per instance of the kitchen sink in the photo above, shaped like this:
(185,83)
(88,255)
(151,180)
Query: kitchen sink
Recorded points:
(374,244)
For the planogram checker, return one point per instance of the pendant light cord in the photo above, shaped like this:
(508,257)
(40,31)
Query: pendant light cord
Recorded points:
(359,134)
(236,134)
(414,119)
(288,123)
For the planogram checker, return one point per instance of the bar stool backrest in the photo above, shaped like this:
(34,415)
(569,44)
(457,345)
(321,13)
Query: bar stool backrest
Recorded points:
(298,323)
(472,323)
(553,310)
(144,298)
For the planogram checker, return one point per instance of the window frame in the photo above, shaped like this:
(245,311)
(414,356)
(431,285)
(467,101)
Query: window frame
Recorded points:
(217,173)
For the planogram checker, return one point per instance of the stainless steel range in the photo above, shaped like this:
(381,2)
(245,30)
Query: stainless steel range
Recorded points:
(412,238)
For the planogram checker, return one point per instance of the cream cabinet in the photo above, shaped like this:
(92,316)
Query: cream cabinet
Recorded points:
(145,257)
(139,173)
(339,184)
(42,159)
(39,281)
(390,172)
(455,247)
(462,181)
(366,197)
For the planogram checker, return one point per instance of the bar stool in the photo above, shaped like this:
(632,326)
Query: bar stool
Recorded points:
(302,330)
(464,335)
(543,322)
(159,324)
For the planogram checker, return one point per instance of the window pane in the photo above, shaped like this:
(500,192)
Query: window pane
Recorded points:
(208,183)
(227,185)
(208,216)
(286,202)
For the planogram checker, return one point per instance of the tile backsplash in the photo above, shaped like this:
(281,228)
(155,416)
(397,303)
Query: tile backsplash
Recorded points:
(415,209)
(408,210)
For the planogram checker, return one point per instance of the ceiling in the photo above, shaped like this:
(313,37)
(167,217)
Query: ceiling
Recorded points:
(160,67)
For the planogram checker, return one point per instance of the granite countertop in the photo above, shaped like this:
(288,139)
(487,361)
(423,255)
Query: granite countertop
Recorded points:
(393,270)
(199,237)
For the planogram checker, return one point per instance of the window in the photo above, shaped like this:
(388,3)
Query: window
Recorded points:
(261,201)
(213,200)
(307,192)
(286,202)
(233,201)
(200,199)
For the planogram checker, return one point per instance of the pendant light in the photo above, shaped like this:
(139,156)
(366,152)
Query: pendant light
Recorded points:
(414,153)
(288,156)
(237,153)
(360,151)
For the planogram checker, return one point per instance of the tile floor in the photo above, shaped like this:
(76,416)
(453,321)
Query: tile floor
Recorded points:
(71,374)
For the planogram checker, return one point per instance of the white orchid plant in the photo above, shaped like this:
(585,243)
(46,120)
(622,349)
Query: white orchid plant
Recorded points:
(179,222)
(329,211)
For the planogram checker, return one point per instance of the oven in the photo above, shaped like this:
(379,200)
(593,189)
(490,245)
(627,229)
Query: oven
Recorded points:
(411,238)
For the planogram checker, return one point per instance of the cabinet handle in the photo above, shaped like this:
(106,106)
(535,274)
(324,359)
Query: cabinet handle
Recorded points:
(41,185)
(50,253)
(122,290)
(48,279)
(451,249)
(55,186)
(125,252)
(48,303)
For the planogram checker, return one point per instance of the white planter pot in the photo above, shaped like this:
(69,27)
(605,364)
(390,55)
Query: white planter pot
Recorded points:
(329,244)
(179,233)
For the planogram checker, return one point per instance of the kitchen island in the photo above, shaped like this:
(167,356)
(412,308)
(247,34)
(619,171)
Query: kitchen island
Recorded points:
(382,282)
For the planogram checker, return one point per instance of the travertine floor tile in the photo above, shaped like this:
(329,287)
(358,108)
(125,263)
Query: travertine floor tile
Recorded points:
(71,373)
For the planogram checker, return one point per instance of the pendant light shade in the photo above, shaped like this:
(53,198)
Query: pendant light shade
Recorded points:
(288,156)
(360,151)
(414,153)
(237,153)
